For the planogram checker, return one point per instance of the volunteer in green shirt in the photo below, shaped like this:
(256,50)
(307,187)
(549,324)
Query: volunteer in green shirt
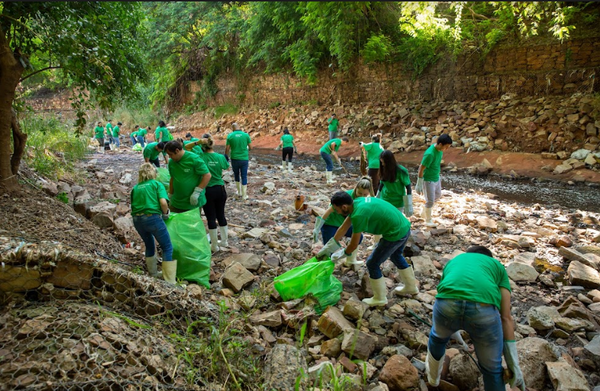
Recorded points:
(189,177)
(239,143)
(162,133)
(376,217)
(133,135)
(331,220)
(194,145)
(371,152)
(99,135)
(149,210)
(333,126)
(429,183)
(141,136)
(330,148)
(109,132)
(115,133)
(152,151)
(474,295)
(288,148)
(216,195)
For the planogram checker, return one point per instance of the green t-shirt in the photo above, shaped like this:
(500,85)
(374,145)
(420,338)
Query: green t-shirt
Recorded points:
(373,152)
(333,125)
(216,163)
(99,132)
(145,197)
(197,149)
(379,217)
(109,128)
(166,134)
(432,158)
(335,219)
(238,142)
(150,151)
(142,132)
(287,140)
(187,174)
(327,147)
(116,131)
(393,192)
(473,277)
(134,134)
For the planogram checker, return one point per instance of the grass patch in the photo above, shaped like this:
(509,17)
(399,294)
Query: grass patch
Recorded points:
(225,109)
(52,146)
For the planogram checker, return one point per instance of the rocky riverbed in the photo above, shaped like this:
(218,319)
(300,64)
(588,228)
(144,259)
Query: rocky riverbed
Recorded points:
(551,252)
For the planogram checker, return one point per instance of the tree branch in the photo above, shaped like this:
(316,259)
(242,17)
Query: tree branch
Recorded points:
(38,71)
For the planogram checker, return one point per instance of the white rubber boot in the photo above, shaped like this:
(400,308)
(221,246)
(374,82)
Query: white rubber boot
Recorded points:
(151,265)
(283,163)
(410,283)
(169,271)
(433,369)
(244,192)
(328,175)
(376,239)
(379,293)
(428,220)
(238,185)
(214,242)
(289,166)
(224,236)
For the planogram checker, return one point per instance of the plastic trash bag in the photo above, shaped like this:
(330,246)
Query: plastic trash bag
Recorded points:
(190,247)
(137,147)
(163,176)
(313,277)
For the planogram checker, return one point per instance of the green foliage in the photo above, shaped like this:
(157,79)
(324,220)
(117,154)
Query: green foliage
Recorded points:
(225,109)
(52,146)
(378,48)
(63,197)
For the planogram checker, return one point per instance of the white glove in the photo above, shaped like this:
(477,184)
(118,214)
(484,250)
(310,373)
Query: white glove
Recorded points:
(378,195)
(339,254)
(165,216)
(329,248)
(408,205)
(195,195)
(512,361)
(318,224)
(419,187)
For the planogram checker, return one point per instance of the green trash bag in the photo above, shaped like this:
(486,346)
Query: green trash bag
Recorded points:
(163,176)
(137,148)
(313,277)
(190,246)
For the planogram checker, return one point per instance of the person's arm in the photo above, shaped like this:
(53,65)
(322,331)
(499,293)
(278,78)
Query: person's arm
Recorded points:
(353,245)
(508,323)
(171,186)
(421,171)
(164,206)
(204,181)
(327,213)
(227,149)
(166,157)
(339,234)
(146,159)
(249,146)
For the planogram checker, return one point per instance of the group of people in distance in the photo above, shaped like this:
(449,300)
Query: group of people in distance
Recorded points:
(474,292)
(108,132)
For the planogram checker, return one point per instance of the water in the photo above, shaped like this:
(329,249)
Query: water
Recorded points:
(580,196)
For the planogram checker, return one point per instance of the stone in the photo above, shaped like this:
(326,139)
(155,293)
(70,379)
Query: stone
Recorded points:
(333,323)
(283,365)
(354,309)
(570,325)
(542,318)
(399,374)
(72,274)
(464,372)
(357,343)
(322,373)
(124,229)
(423,266)
(571,254)
(126,179)
(237,277)
(583,275)
(594,346)
(566,378)
(254,233)
(104,206)
(520,272)
(562,168)
(580,154)
(590,160)
(487,223)
(561,241)
(19,279)
(331,348)
(269,319)
(533,353)
(248,260)
(268,187)
(103,220)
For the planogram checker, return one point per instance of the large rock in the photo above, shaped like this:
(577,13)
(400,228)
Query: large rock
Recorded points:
(566,378)
(124,229)
(521,273)
(72,274)
(580,154)
(283,366)
(248,260)
(103,220)
(399,374)
(423,266)
(594,346)
(358,344)
(580,274)
(534,353)
(542,318)
(237,277)
(269,319)
(332,323)
(464,372)
(19,279)
(487,223)
(104,206)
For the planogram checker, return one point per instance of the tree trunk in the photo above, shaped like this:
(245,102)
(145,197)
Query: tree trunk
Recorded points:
(19,141)
(10,74)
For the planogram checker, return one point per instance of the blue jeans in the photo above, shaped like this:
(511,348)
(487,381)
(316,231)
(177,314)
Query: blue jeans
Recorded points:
(152,227)
(140,139)
(328,232)
(117,141)
(133,140)
(240,167)
(384,250)
(332,135)
(482,322)
(328,161)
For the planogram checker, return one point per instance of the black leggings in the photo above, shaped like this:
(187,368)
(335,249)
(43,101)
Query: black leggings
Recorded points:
(285,152)
(214,209)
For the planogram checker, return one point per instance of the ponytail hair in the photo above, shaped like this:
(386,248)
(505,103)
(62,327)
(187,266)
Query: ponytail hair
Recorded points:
(365,182)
